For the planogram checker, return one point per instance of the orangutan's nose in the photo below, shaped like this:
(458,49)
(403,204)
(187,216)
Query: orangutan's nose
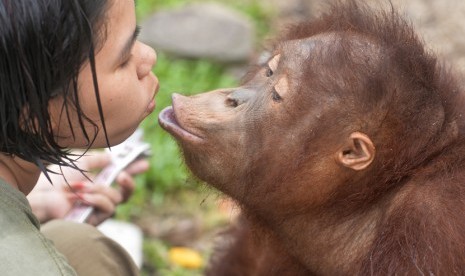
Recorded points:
(238,97)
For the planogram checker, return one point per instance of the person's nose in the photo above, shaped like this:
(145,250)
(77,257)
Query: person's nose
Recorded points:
(147,59)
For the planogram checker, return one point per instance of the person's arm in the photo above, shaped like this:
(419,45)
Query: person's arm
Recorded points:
(54,201)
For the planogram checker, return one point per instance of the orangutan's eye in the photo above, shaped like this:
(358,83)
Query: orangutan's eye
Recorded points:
(276,97)
(268,72)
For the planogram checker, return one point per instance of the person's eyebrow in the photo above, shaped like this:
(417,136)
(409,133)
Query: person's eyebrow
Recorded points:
(126,51)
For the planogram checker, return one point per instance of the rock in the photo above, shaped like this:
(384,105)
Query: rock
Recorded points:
(291,10)
(203,30)
(440,23)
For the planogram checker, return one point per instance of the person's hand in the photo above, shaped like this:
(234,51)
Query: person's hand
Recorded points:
(55,201)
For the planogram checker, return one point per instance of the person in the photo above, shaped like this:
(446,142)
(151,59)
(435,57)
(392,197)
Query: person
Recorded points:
(72,75)
(49,202)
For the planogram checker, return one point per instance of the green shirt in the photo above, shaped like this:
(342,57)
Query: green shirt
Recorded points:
(23,249)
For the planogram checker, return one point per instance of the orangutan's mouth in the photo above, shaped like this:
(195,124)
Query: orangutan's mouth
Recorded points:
(168,121)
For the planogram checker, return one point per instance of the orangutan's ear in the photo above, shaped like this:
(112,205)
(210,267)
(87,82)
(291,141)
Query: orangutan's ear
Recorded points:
(357,153)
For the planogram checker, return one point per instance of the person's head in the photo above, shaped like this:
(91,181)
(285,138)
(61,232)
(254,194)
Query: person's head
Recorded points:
(71,75)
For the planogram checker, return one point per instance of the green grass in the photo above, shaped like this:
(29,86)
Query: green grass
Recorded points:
(167,183)
(186,77)
(167,172)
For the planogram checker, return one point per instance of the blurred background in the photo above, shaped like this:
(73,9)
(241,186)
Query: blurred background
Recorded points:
(204,45)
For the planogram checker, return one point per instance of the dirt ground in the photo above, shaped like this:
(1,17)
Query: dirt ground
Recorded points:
(441,23)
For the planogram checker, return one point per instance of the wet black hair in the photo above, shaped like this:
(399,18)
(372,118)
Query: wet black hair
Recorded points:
(43,46)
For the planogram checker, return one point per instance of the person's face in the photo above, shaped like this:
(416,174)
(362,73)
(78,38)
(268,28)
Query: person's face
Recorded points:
(126,83)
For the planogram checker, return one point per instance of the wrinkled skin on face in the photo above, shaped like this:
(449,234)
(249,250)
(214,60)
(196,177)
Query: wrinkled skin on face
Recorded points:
(261,143)
(344,150)
(236,139)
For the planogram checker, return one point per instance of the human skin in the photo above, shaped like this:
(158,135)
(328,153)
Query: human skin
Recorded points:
(127,84)
(127,89)
(55,201)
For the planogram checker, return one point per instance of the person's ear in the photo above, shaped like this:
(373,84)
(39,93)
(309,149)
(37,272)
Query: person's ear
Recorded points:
(357,153)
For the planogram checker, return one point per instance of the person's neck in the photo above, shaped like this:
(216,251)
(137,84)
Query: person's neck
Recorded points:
(18,173)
